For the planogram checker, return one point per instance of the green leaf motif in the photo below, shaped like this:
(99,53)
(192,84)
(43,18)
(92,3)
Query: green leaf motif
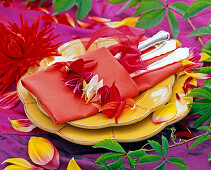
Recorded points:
(207,82)
(122,167)
(200,105)
(117,164)
(151,18)
(161,167)
(165,145)
(130,4)
(203,119)
(209,157)
(200,31)
(115,1)
(108,156)
(173,24)
(137,153)
(204,70)
(180,7)
(84,6)
(178,162)
(147,5)
(206,128)
(203,92)
(157,147)
(149,159)
(199,111)
(200,139)
(195,8)
(62,5)
(207,47)
(110,145)
(131,162)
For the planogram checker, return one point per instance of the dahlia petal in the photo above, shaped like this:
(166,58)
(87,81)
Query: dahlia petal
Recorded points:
(199,75)
(98,20)
(41,151)
(9,100)
(23,125)
(72,165)
(120,110)
(129,21)
(84,25)
(165,113)
(20,163)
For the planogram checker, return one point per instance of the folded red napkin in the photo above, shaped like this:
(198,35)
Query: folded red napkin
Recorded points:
(61,103)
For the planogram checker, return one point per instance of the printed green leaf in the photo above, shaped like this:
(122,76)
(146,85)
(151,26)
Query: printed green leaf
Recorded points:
(115,1)
(84,6)
(180,7)
(149,159)
(130,4)
(165,145)
(207,82)
(122,167)
(209,157)
(137,153)
(62,5)
(117,164)
(147,5)
(110,145)
(207,47)
(199,111)
(108,156)
(151,18)
(173,24)
(200,31)
(200,105)
(161,167)
(195,8)
(206,128)
(178,162)
(203,92)
(157,147)
(204,70)
(131,162)
(202,119)
(200,139)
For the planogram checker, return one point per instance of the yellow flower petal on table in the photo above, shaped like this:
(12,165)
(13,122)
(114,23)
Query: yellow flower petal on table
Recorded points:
(198,75)
(19,164)
(22,125)
(43,152)
(165,113)
(204,56)
(72,165)
(130,21)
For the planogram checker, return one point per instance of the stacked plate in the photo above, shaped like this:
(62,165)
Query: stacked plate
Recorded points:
(133,125)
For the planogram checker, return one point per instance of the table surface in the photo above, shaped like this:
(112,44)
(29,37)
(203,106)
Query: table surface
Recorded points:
(14,144)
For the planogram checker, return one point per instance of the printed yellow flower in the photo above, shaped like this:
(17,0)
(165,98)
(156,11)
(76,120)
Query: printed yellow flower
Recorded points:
(73,165)
(20,164)
(43,152)
(130,21)
(204,56)
(23,125)
(165,113)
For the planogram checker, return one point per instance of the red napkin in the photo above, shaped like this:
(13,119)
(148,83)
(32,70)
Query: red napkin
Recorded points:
(61,103)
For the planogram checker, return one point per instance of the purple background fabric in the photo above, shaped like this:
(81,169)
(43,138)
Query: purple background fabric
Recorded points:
(14,144)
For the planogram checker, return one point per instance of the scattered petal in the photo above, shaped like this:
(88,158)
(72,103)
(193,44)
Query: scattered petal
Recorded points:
(178,97)
(20,163)
(43,152)
(23,125)
(184,134)
(120,110)
(113,105)
(66,19)
(84,25)
(48,18)
(130,102)
(129,21)
(165,113)
(186,126)
(42,9)
(72,165)
(98,20)
(199,75)
(9,100)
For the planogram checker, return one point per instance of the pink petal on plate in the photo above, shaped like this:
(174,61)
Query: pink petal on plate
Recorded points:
(22,125)
(43,152)
(9,100)
(20,163)
(165,113)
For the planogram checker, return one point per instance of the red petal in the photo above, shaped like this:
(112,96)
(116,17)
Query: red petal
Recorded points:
(9,100)
(190,86)
(184,134)
(120,110)
(77,65)
(42,9)
(186,126)
(98,20)
(110,106)
(47,18)
(84,25)
(89,65)
(114,94)
(66,19)
(130,102)
(177,96)
(76,37)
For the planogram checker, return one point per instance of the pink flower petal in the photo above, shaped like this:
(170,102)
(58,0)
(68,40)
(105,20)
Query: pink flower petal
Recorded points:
(9,100)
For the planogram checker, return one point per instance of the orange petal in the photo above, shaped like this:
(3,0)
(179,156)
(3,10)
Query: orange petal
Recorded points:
(20,163)
(84,25)
(23,125)
(165,113)
(110,105)
(72,165)
(130,102)
(42,152)
(129,21)
(98,20)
